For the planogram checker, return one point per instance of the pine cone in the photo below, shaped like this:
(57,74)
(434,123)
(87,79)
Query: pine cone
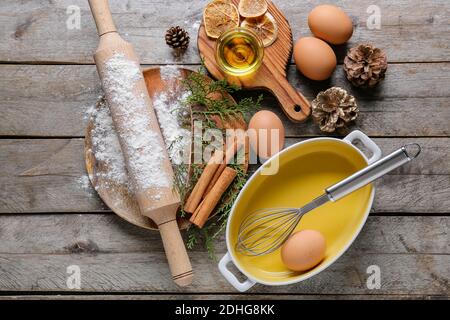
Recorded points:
(177,38)
(365,65)
(334,109)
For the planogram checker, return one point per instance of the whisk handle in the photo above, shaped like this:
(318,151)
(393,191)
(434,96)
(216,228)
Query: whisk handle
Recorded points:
(373,171)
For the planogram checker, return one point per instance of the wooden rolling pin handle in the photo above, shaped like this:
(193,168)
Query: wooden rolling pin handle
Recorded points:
(293,103)
(162,213)
(102,16)
(179,264)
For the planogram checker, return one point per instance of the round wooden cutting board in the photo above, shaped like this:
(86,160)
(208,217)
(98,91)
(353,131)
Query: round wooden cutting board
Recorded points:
(117,196)
(272,73)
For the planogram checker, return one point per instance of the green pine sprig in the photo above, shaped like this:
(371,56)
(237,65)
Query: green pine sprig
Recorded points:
(210,99)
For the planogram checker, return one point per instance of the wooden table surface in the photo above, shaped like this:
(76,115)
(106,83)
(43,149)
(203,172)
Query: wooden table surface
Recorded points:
(51,218)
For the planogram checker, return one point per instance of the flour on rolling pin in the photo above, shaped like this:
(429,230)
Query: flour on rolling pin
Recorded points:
(140,138)
(171,113)
(143,146)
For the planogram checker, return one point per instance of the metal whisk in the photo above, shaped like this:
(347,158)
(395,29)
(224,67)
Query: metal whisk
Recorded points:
(265,230)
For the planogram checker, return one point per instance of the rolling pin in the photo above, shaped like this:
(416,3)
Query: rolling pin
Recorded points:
(125,90)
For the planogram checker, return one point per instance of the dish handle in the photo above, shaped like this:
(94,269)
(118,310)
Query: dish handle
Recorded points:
(368,143)
(231,278)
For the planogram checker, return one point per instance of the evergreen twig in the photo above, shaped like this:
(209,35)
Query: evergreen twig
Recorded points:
(210,99)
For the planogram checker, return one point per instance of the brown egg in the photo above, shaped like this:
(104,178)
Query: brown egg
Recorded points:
(314,58)
(330,23)
(262,127)
(303,250)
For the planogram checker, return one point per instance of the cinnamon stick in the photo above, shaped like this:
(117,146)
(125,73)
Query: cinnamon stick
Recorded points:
(229,154)
(208,204)
(199,189)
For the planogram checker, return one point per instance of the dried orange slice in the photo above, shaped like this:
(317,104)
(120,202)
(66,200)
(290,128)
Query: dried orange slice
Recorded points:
(265,27)
(219,16)
(252,8)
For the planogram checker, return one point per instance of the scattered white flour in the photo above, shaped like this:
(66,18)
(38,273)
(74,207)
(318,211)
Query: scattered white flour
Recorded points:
(170,111)
(169,73)
(196,25)
(106,147)
(143,146)
(84,183)
(89,109)
(193,25)
(105,142)
(177,139)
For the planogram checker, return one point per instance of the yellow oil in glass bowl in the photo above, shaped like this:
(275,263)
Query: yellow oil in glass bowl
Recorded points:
(239,52)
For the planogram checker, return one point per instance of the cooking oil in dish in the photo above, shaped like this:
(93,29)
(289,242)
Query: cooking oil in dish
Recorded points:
(239,52)
(303,175)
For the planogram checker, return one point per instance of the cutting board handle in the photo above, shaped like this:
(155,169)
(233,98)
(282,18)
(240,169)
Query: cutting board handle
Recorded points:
(294,104)
(178,259)
(102,16)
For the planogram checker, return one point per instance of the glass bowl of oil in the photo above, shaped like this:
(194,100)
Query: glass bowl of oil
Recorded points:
(239,51)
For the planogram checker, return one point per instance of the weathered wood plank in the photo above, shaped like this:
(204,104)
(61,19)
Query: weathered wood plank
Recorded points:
(193,296)
(44,100)
(108,233)
(62,168)
(49,176)
(38,32)
(425,274)
(412,252)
